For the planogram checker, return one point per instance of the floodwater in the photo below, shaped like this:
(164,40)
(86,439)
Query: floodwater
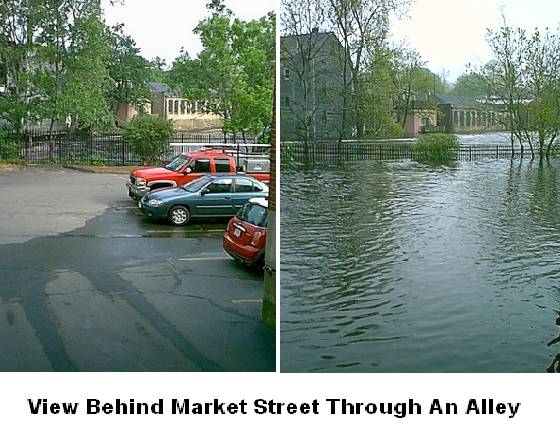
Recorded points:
(397,266)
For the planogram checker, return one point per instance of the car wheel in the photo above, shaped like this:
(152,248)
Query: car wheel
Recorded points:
(179,215)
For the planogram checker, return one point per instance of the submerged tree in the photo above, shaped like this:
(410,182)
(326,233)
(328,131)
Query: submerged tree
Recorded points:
(525,75)
(362,27)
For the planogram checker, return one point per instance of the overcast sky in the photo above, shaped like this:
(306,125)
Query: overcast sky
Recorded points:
(162,27)
(451,33)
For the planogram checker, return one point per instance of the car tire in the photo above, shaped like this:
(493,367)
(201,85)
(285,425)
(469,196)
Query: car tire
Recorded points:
(179,215)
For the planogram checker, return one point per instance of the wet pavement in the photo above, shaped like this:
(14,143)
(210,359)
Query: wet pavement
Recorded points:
(87,283)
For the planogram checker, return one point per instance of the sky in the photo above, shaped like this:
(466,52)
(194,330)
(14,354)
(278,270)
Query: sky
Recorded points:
(162,27)
(451,33)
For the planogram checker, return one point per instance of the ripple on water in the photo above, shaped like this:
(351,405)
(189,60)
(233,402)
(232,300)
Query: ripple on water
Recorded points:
(397,266)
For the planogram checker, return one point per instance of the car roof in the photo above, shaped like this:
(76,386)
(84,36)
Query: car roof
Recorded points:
(231,175)
(261,201)
(207,152)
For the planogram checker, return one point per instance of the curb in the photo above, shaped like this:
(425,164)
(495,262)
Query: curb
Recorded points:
(76,168)
(95,171)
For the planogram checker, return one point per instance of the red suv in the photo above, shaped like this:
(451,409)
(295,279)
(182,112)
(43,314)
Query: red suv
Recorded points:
(245,237)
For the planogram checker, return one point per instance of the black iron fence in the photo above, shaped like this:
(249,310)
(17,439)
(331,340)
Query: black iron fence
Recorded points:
(333,151)
(42,147)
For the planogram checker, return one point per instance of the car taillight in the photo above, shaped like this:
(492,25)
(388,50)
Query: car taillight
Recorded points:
(256,237)
(229,225)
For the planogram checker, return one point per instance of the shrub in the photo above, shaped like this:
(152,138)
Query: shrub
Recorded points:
(9,148)
(436,146)
(149,137)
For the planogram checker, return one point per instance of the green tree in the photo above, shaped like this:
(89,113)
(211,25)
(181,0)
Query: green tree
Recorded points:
(525,75)
(413,83)
(471,85)
(61,59)
(362,27)
(87,78)
(18,20)
(159,71)
(128,70)
(234,72)
(149,137)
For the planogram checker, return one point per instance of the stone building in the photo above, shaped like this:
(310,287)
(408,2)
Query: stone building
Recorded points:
(186,114)
(465,115)
(312,87)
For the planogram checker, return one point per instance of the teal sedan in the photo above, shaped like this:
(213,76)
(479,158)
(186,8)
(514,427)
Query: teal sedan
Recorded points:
(215,195)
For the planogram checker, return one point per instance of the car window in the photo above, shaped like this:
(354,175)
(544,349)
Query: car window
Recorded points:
(198,184)
(177,163)
(222,165)
(254,214)
(243,185)
(257,187)
(201,166)
(220,186)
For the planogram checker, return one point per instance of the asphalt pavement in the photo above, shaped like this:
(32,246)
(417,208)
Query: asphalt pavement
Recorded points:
(87,283)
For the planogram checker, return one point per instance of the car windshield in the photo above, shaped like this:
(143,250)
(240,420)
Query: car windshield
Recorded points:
(177,163)
(254,214)
(198,184)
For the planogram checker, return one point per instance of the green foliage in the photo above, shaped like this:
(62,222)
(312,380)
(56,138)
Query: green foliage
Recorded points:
(525,74)
(87,76)
(234,72)
(128,71)
(149,137)
(158,71)
(436,147)
(96,160)
(62,59)
(9,151)
(470,85)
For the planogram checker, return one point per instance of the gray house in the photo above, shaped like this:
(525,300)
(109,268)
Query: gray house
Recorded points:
(314,88)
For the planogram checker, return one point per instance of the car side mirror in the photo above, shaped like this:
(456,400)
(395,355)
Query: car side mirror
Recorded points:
(188,170)
(204,191)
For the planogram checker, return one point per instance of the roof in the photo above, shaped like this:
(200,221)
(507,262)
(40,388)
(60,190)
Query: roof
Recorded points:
(455,101)
(162,88)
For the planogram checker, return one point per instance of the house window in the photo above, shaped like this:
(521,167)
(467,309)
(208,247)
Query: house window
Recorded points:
(286,73)
(468,124)
(176,107)
(183,105)
(169,106)
(461,119)
(456,118)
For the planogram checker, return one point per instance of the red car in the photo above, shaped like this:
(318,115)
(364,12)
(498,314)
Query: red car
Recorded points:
(245,237)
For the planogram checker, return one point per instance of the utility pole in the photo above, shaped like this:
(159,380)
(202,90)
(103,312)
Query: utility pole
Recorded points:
(269,296)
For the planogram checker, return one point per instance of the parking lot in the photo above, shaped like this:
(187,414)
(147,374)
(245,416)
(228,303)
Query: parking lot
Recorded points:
(87,283)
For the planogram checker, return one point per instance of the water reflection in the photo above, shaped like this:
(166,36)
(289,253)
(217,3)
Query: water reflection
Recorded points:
(397,266)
